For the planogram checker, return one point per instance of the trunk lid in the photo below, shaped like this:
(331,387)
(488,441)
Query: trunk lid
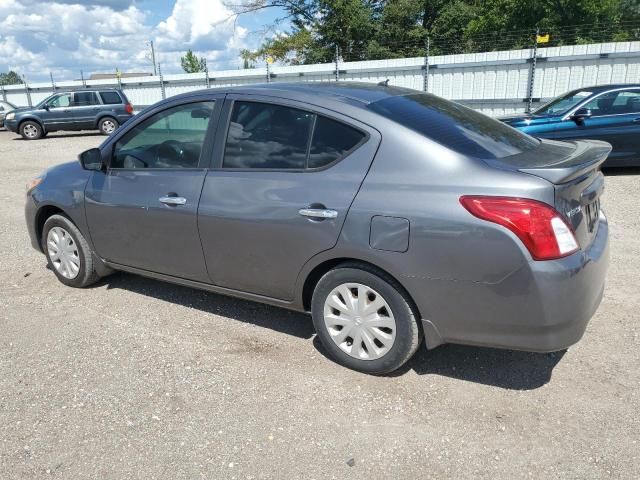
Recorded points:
(574,170)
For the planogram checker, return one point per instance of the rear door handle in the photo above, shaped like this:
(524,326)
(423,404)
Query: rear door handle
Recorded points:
(173,200)
(319,213)
(636,120)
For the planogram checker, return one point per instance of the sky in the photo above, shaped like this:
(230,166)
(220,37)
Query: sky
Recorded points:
(63,37)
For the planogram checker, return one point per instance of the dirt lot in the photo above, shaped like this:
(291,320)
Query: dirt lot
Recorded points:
(139,379)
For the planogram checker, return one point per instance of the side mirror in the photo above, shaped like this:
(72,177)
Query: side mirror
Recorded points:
(46,106)
(91,159)
(581,114)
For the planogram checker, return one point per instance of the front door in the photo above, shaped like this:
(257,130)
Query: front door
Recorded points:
(58,115)
(142,212)
(286,177)
(615,119)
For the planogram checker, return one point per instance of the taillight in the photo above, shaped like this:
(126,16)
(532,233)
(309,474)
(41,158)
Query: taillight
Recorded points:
(128,108)
(540,227)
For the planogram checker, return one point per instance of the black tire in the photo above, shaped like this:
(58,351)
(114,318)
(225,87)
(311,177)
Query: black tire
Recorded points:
(106,123)
(408,333)
(30,130)
(86,274)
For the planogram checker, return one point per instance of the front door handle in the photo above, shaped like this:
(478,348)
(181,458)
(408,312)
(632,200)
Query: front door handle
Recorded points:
(173,200)
(636,120)
(319,213)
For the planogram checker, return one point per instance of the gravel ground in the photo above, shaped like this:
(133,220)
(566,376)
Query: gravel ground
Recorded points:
(139,379)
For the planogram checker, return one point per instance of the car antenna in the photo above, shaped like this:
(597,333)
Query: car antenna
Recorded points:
(384,83)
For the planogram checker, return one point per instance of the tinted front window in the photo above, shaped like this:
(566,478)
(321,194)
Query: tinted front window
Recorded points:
(331,140)
(110,98)
(562,104)
(85,98)
(263,135)
(172,138)
(456,127)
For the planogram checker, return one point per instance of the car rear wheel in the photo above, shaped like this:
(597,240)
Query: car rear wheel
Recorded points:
(108,125)
(68,253)
(30,130)
(364,319)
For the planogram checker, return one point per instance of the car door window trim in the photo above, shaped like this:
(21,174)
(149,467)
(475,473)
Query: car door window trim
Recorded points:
(207,144)
(289,104)
(568,115)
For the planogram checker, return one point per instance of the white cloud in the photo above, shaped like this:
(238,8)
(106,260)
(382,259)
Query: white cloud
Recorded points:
(65,37)
(203,25)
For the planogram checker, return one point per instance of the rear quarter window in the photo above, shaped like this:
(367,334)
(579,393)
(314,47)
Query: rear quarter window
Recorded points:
(458,128)
(331,141)
(110,98)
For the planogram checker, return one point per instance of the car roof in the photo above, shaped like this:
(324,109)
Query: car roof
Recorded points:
(603,88)
(361,93)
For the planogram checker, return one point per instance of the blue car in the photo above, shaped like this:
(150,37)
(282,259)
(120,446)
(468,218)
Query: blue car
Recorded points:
(609,112)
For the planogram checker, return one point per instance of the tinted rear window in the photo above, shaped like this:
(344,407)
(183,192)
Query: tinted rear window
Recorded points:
(263,135)
(85,98)
(458,128)
(110,98)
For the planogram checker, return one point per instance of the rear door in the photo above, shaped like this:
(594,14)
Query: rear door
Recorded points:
(142,212)
(283,180)
(85,107)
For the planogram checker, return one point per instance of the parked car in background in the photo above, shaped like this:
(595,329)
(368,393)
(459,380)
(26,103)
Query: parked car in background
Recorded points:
(101,109)
(387,213)
(608,112)
(5,107)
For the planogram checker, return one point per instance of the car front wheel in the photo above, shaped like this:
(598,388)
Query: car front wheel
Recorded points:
(364,319)
(68,253)
(30,130)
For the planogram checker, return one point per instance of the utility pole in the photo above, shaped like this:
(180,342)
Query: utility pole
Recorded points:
(532,71)
(425,80)
(153,57)
(164,95)
(268,62)
(53,85)
(206,73)
(26,86)
(337,59)
(84,83)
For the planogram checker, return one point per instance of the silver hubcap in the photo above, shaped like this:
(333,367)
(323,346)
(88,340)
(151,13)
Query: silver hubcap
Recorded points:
(359,321)
(63,252)
(108,126)
(30,131)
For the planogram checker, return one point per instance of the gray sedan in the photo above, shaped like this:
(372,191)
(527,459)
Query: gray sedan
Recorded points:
(389,214)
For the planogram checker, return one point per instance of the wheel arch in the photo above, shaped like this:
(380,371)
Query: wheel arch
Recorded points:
(322,268)
(43,213)
(31,119)
(104,115)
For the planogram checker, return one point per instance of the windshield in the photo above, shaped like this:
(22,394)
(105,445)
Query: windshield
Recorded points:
(458,128)
(564,103)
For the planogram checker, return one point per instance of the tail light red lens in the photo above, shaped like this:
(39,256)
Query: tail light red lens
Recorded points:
(128,108)
(538,225)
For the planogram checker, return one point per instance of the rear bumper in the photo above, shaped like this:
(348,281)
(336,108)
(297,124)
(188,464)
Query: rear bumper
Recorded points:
(542,307)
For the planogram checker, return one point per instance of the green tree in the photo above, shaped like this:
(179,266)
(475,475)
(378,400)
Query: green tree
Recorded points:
(191,63)
(10,78)
(376,29)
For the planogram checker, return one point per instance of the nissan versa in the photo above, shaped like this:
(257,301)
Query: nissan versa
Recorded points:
(389,214)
